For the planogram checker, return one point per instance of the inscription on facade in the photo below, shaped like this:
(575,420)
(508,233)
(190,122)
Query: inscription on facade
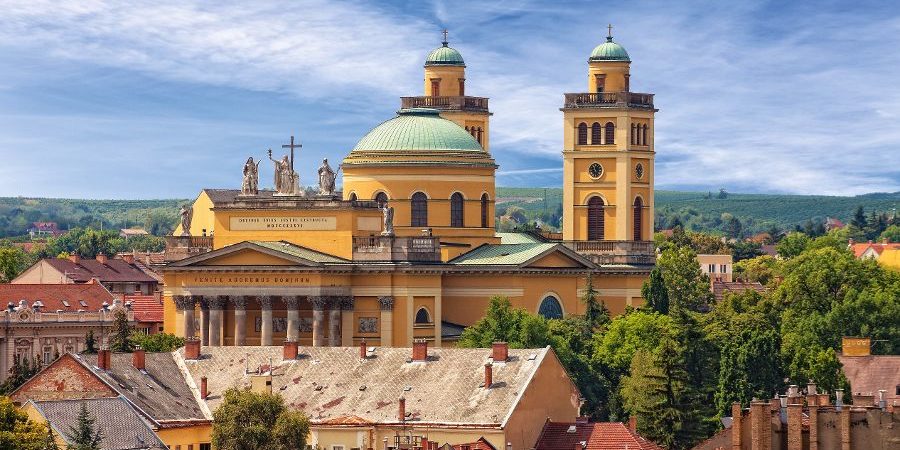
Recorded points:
(283,223)
(250,279)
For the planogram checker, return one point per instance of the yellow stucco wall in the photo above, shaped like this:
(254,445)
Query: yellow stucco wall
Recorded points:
(184,436)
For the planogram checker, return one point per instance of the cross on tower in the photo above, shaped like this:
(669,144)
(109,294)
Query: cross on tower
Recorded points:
(292,146)
(609,27)
(445,37)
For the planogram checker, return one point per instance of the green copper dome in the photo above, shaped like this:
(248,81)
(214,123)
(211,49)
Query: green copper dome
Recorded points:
(609,51)
(444,56)
(418,129)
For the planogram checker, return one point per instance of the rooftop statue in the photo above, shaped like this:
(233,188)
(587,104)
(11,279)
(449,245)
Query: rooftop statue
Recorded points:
(187,213)
(286,180)
(326,178)
(250,184)
(387,213)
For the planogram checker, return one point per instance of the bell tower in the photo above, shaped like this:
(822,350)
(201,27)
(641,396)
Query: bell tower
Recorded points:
(608,153)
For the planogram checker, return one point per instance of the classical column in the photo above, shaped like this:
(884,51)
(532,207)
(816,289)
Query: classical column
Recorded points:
(387,320)
(318,307)
(265,304)
(334,322)
(293,317)
(347,321)
(185,303)
(204,321)
(240,319)
(216,305)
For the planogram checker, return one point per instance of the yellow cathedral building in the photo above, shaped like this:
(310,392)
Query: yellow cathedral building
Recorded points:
(407,250)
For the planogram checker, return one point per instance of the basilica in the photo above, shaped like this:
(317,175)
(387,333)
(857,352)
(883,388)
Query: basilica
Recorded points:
(407,249)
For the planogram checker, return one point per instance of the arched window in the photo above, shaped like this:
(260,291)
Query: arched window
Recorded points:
(456,210)
(422,316)
(485,210)
(582,134)
(353,196)
(644,135)
(638,218)
(381,198)
(480,137)
(596,221)
(550,308)
(610,133)
(596,131)
(419,207)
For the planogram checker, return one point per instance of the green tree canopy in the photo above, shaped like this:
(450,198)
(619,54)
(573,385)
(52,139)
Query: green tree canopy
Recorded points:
(503,323)
(17,432)
(247,420)
(120,339)
(83,435)
(686,285)
(157,342)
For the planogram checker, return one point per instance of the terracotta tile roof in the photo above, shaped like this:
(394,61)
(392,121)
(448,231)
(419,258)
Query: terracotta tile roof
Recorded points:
(878,247)
(595,436)
(480,444)
(160,390)
(67,297)
(147,308)
(333,383)
(121,426)
(721,287)
(869,374)
(115,270)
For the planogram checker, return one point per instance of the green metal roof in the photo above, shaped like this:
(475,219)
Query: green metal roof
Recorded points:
(444,56)
(418,129)
(517,238)
(502,254)
(299,252)
(609,51)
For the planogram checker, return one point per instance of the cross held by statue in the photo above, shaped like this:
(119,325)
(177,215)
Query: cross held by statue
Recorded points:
(292,146)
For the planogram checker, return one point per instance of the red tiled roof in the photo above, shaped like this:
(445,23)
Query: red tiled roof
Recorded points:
(55,296)
(596,436)
(146,308)
(115,270)
(721,287)
(859,249)
(869,374)
(480,444)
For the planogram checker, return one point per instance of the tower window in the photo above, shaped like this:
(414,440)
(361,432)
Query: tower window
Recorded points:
(638,219)
(480,136)
(610,133)
(456,210)
(422,316)
(644,135)
(550,308)
(627,82)
(352,196)
(639,171)
(381,198)
(600,83)
(435,87)
(633,134)
(485,209)
(582,134)
(596,221)
(419,210)
(596,132)
(462,87)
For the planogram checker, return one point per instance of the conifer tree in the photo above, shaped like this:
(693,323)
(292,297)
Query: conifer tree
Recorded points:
(596,313)
(90,343)
(654,291)
(49,440)
(120,341)
(83,435)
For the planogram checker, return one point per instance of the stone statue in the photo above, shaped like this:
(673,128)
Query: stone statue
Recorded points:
(387,215)
(326,178)
(250,185)
(286,181)
(187,213)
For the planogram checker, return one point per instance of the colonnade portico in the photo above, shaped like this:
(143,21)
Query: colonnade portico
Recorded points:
(216,310)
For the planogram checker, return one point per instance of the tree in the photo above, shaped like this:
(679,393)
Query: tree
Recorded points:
(12,263)
(723,194)
(792,245)
(16,431)
(595,312)
(760,269)
(90,343)
(120,339)
(686,285)
(158,342)
(83,435)
(49,442)
(859,218)
(247,420)
(655,293)
(24,367)
(501,322)
(891,234)
(742,250)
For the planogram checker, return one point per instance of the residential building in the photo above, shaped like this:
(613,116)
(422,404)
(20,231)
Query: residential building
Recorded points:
(871,376)
(717,267)
(586,435)
(121,276)
(131,232)
(47,320)
(735,287)
(871,249)
(355,397)
(43,230)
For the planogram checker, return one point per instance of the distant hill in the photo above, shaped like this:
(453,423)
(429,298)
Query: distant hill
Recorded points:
(700,211)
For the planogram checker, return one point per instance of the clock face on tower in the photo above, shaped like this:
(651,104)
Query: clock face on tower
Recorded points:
(595,170)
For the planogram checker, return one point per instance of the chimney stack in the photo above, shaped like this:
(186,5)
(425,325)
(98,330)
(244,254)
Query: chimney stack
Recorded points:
(192,349)
(488,375)
(420,350)
(101,258)
(737,416)
(75,258)
(500,351)
(128,258)
(424,444)
(795,426)
(363,352)
(138,358)
(838,399)
(882,402)
(401,409)
(203,388)
(103,358)
(632,424)
(290,350)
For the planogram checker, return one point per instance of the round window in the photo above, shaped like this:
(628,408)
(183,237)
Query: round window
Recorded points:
(639,170)
(595,170)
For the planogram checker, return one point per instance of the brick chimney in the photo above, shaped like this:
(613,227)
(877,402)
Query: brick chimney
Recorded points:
(845,429)
(794,426)
(420,350)
(138,358)
(101,258)
(761,425)
(363,353)
(424,444)
(632,423)
(488,375)
(75,258)
(401,409)
(290,350)
(192,349)
(103,358)
(500,351)
(737,418)
(128,258)
(203,388)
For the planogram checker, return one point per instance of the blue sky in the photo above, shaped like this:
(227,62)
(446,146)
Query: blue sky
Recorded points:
(159,99)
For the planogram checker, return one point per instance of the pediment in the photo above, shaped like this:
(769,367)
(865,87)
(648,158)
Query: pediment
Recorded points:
(557,257)
(250,253)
